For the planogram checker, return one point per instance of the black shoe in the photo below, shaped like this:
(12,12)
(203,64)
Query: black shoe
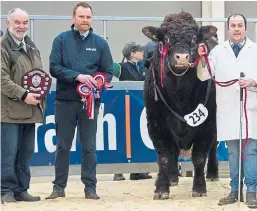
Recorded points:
(25,196)
(251,200)
(231,198)
(92,195)
(139,176)
(8,197)
(56,194)
(118,177)
(147,176)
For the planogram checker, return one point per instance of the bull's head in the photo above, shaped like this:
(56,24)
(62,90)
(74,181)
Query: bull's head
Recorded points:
(180,33)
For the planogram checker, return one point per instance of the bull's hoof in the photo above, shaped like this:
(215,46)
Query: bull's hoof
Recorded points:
(212,179)
(161,196)
(174,183)
(197,194)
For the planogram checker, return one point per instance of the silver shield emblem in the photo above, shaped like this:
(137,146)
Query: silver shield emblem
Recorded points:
(36,79)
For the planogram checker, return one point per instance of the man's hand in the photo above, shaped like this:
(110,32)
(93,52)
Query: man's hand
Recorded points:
(88,80)
(202,49)
(31,99)
(245,82)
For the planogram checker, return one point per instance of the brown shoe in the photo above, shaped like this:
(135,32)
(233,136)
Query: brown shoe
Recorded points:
(251,200)
(231,198)
(56,194)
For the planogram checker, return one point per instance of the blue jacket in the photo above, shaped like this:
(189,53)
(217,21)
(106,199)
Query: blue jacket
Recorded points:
(71,56)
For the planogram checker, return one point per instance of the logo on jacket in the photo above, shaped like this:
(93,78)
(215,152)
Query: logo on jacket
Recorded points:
(91,49)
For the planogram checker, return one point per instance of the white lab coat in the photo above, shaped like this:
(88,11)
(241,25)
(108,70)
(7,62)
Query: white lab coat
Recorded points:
(225,66)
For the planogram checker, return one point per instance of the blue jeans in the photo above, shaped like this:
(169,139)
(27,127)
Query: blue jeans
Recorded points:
(17,148)
(67,115)
(249,164)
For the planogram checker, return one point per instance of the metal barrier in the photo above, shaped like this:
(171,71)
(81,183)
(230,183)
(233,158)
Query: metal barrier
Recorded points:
(105,19)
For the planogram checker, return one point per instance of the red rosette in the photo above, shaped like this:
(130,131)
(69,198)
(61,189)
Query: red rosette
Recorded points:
(101,80)
(83,90)
(108,85)
(87,94)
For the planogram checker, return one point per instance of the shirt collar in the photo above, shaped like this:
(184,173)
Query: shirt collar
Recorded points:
(18,42)
(132,62)
(136,64)
(241,44)
(85,34)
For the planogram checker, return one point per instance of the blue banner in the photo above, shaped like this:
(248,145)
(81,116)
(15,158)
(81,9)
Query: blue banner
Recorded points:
(122,135)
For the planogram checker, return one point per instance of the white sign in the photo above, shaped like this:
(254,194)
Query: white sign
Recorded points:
(197,117)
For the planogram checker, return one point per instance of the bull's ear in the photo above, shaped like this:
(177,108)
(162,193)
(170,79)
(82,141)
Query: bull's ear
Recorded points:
(150,32)
(154,33)
(213,29)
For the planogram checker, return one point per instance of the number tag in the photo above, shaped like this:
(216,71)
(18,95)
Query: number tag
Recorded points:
(197,117)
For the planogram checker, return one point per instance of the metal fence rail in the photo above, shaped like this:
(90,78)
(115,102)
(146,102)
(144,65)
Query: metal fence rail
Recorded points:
(106,19)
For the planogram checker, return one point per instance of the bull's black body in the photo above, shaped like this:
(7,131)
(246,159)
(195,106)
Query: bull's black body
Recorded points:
(183,94)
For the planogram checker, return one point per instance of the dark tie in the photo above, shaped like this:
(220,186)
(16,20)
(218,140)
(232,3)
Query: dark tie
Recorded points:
(236,49)
(22,46)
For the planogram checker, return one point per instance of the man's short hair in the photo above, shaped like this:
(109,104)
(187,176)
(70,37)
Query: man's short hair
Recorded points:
(237,14)
(81,4)
(14,10)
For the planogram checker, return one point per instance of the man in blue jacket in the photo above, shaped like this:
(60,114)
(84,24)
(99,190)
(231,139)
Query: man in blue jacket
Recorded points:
(76,55)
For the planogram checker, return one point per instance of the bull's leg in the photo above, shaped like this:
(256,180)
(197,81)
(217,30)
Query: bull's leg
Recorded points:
(160,136)
(162,182)
(199,155)
(174,180)
(212,166)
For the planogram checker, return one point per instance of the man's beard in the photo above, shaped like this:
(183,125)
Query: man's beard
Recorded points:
(16,34)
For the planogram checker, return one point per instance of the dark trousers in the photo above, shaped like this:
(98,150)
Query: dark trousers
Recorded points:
(17,148)
(68,114)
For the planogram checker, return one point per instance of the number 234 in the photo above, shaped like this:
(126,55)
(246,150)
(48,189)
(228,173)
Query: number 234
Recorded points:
(196,116)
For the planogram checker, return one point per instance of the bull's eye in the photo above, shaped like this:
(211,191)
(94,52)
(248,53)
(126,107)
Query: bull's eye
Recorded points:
(193,39)
(166,39)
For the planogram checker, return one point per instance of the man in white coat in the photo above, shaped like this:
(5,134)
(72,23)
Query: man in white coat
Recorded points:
(227,60)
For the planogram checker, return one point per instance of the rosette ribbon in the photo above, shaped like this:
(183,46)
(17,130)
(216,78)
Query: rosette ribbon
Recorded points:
(88,95)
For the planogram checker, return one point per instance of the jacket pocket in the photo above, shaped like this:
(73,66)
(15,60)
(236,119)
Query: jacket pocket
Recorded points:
(19,110)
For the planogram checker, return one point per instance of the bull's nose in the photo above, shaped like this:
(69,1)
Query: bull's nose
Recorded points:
(182,57)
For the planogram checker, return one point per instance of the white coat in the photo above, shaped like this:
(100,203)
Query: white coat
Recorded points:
(225,66)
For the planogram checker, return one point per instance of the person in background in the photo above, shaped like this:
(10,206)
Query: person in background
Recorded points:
(132,71)
(148,54)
